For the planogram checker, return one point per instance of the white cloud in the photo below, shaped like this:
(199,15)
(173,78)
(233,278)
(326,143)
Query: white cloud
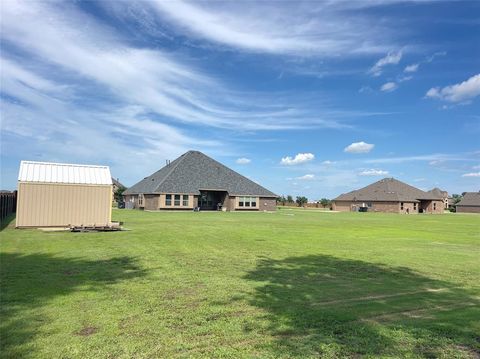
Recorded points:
(243,161)
(306,177)
(319,28)
(359,147)
(471,174)
(404,78)
(411,68)
(462,92)
(373,172)
(477,167)
(365,89)
(389,87)
(392,58)
(168,86)
(298,159)
(432,158)
(328,162)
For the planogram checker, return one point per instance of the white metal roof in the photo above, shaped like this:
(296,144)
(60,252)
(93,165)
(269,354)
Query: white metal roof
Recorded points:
(47,172)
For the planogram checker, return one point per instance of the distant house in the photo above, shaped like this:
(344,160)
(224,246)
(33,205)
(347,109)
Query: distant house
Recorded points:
(389,195)
(116,185)
(195,180)
(63,195)
(470,203)
(442,194)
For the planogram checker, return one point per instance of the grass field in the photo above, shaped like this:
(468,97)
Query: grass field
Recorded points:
(293,284)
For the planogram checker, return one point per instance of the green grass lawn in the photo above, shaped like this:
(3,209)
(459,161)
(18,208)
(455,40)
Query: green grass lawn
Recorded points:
(291,284)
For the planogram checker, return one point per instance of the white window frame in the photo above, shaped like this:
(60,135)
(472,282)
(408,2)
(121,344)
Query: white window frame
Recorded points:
(175,203)
(248,202)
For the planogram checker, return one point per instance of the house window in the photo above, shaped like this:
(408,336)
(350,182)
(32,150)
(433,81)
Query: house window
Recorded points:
(369,205)
(247,202)
(140,199)
(168,200)
(401,206)
(434,206)
(177,200)
(185,200)
(414,206)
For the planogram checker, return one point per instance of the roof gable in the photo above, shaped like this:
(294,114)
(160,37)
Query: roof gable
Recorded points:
(388,189)
(438,192)
(194,171)
(49,172)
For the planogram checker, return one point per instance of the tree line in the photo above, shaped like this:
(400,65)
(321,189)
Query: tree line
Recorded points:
(301,201)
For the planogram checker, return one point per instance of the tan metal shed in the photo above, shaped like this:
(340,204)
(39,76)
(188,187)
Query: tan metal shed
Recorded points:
(62,195)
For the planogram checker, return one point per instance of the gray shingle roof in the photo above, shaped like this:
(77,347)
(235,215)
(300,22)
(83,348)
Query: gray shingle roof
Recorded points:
(193,171)
(438,192)
(470,199)
(387,189)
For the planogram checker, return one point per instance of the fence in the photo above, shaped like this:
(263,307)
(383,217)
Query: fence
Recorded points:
(8,204)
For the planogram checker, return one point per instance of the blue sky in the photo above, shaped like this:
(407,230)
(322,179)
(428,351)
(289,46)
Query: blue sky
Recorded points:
(313,98)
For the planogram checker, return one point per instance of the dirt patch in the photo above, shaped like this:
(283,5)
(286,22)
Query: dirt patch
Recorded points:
(86,331)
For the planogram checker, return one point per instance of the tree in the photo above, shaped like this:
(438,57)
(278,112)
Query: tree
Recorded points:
(118,195)
(282,200)
(289,199)
(456,198)
(325,202)
(301,201)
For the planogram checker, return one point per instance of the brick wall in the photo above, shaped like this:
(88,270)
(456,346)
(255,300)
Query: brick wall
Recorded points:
(468,209)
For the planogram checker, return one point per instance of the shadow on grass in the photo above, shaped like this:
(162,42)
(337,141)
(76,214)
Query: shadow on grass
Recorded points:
(7,221)
(322,306)
(30,281)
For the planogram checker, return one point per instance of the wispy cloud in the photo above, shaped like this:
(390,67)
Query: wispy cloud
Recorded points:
(243,161)
(307,29)
(162,83)
(307,177)
(461,92)
(298,159)
(471,174)
(392,58)
(411,68)
(373,172)
(389,87)
(431,158)
(359,147)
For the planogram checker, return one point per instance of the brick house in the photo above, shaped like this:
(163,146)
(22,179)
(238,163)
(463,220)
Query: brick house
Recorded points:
(195,180)
(442,194)
(470,203)
(389,195)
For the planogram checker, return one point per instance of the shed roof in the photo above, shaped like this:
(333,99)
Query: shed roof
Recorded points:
(194,171)
(470,199)
(388,190)
(48,172)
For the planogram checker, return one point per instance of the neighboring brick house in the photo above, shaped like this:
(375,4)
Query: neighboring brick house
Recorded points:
(470,203)
(442,194)
(195,180)
(389,195)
